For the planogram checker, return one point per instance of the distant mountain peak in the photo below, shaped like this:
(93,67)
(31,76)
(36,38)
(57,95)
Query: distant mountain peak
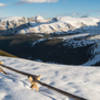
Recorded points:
(58,25)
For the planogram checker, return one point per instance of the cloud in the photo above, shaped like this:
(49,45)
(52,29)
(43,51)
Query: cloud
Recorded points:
(2,4)
(38,1)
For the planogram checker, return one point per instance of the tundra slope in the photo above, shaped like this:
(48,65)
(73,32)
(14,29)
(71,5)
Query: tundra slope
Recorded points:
(79,80)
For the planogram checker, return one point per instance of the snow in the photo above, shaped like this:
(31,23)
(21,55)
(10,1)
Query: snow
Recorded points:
(96,52)
(74,36)
(78,43)
(80,40)
(68,25)
(11,18)
(77,21)
(47,27)
(40,19)
(38,41)
(79,80)
(58,25)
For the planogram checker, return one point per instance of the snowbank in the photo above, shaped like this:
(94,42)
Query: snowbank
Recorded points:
(79,80)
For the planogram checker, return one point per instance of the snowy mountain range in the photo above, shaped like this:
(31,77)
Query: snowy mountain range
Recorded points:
(57,25)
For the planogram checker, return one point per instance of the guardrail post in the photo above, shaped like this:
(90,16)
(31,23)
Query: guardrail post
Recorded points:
(1,70)
(34,84)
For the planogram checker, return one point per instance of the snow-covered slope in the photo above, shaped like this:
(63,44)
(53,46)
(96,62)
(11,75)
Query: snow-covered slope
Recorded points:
(56,25)
(11,18)
(81,81)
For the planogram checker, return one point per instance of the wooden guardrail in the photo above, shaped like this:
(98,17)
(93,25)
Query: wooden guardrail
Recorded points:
(34,79)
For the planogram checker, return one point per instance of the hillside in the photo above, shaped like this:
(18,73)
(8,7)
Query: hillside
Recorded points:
(79,80)
(3,53)
(62,49)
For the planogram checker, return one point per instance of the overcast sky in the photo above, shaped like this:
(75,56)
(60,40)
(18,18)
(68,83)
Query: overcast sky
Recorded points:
(49,8)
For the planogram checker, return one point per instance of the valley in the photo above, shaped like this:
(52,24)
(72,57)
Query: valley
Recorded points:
(48,48)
